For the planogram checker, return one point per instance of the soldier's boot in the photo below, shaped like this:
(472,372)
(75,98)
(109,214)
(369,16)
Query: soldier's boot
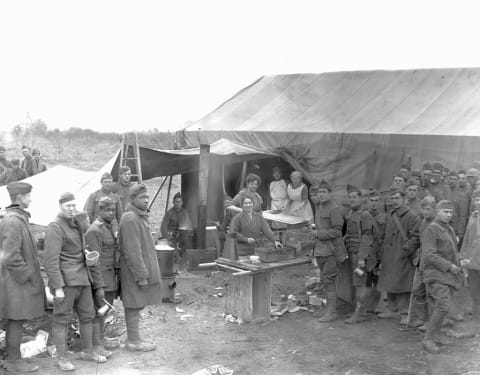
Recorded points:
(14,363)
(59,338)
(418,314)
(360,313)
(98,338)
(434,325)
(331,312)
(373,300)
(134,342)
(86,336)
(475,323)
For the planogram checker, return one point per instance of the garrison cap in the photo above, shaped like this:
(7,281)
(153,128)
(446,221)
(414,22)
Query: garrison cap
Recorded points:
(437,167)
(428,201)
(427,166)
(411,182)
(123,169)
(66,197)
(472,172)
(106,176)
(445,205)
(416,173)
(313,189)
(324,185)
(373,192)
(395,191)
(137,189)
(405,166)
(353,188)
(106,202)
(18,187)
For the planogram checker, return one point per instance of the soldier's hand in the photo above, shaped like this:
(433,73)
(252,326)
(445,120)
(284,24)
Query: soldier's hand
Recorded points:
(361,263)
(59,295)
(142,284)
(454,269)
(99,296)
(251,240)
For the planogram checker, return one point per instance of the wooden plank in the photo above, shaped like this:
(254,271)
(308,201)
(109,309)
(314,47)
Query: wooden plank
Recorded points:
(261,295)
(264,266)
(238,301)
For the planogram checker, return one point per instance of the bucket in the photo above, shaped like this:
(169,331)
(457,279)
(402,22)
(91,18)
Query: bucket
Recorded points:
(91,257)
(165,257)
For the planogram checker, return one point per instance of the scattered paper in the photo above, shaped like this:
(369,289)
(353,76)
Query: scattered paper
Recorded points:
(179,310)
(36,346)
(214,370)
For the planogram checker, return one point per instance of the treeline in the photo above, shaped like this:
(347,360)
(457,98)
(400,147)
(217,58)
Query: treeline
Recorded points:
(76,147)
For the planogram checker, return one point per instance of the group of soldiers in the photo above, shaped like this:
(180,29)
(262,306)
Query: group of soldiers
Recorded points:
(16,170)
(414,242)
(118,230)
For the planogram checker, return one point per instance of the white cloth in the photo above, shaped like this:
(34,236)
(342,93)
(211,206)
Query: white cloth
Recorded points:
(297,206)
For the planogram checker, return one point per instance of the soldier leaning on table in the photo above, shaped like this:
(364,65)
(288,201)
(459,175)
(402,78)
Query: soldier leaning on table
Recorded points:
(329,248)
(22,294)
(71,282)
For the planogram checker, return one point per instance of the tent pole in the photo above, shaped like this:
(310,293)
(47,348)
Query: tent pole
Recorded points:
(202,196)
(168,194)
(157,192)
(244,174)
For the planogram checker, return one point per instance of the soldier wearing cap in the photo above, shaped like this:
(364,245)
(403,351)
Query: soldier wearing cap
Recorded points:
(4,163)
(412,201)
(438,188)
(139,271)
(13,174)
(404,171)
(101,238)
(460,196)
(416,175)
(22,293)
(419,311)
(470,254)
(71,282)
(37,165)
(91,205)
(442,272)
(472,175)
(359,242)
(123,185)
(329,248)
(399,248)
(27,162)
(397,183)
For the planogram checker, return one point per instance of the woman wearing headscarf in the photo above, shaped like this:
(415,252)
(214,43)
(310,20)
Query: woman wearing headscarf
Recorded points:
(248,227)
(297,191)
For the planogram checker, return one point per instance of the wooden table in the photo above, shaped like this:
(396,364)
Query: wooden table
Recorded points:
(249,287)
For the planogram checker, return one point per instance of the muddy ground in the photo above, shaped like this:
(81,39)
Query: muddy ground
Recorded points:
(294,344)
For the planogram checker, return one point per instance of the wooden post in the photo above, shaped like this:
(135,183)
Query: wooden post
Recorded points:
(202,195)
(168,194)
(244,175)
(157,192)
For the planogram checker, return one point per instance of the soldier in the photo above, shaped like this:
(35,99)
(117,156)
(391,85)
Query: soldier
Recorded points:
(399,247)
(139,272)
(442,272)
(101,238)
(22,293)
(398,183)
(122,187)
(464,190)
(27,162)
(425,180)
(438,188)
(71,282)
(416,176)
(37,165)
(472,175)
(412,201)
(405,171)
(4,163)
(460,196)
(13,174)
(470,255)
(419,311)
(360,247)
(329,248)
(91,205)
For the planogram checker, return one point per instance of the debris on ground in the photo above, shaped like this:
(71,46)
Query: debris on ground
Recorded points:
(214,370)
(36,346)
(231,319)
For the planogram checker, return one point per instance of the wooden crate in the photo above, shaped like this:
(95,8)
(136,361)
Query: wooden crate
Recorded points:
(194,257)
(302,240)
(268,254)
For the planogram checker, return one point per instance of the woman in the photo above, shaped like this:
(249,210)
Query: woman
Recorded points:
(252,182)
(278,191)
(297,191)
(248,227)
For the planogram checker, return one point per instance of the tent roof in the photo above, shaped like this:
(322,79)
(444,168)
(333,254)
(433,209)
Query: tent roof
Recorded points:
(427,101)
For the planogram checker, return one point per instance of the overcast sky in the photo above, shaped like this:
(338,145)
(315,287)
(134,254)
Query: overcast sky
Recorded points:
(124,65)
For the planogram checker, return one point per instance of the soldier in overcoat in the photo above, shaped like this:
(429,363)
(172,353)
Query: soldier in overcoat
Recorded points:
(22,293)
(329,250)
(139,271)
(400,244)
(442,272)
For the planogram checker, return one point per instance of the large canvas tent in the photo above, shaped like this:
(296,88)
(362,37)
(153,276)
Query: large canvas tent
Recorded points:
(355,127)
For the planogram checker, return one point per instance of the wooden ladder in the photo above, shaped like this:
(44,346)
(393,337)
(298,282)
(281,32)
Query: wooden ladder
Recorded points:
(130,155)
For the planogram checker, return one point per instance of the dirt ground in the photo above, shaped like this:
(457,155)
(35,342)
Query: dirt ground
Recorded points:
(295,344)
